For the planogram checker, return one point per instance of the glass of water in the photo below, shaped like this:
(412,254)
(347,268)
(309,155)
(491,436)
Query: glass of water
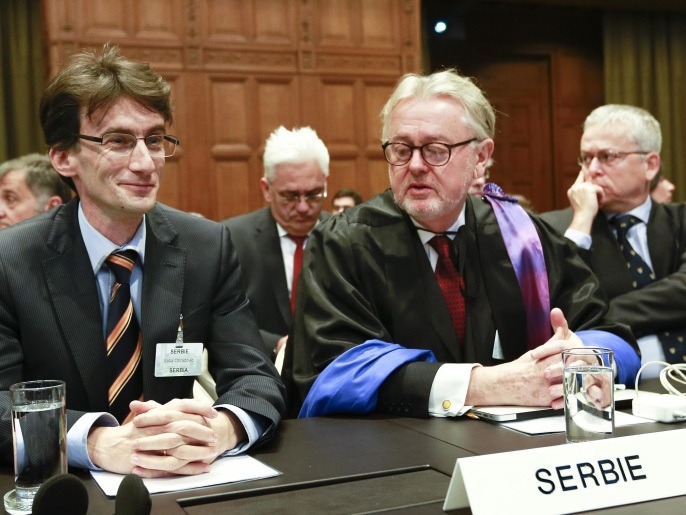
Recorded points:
(588,382)
(39,437)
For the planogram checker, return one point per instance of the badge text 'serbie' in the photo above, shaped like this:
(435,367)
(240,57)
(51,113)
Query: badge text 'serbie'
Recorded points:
(585,474)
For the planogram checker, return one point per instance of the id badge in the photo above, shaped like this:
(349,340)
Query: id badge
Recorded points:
(178,359)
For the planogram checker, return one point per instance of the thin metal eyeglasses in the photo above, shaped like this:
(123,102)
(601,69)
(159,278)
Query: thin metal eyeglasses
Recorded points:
(294,197)
(435,154)
(122,143)
(606,157)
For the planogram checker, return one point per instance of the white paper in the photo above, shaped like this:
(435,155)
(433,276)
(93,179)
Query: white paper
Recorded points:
(230,469)
(556,424)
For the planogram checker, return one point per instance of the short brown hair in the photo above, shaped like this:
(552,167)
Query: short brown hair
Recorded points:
(91,81)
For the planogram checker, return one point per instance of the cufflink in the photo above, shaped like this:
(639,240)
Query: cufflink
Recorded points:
(446,405)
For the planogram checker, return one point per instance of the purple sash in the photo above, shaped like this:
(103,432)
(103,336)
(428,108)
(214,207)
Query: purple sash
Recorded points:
(526,254)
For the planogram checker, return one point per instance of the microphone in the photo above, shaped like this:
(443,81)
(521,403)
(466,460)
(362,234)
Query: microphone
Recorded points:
(132,497)
(63,493)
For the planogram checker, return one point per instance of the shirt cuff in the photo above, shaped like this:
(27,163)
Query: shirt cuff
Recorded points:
(77,438)
(582,240)
(449,390)
(255,426)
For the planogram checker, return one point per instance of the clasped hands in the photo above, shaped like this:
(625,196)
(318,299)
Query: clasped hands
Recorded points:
(181,437)
(533,379)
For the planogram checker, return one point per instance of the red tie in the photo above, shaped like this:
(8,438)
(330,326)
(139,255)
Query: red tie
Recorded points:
(451,284)
(297,265)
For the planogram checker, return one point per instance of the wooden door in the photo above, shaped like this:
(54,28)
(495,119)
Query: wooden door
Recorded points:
(519,90)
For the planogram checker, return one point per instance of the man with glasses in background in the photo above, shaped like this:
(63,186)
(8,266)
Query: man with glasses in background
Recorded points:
(98,292)
(270,241)
(636,246)
(424,300)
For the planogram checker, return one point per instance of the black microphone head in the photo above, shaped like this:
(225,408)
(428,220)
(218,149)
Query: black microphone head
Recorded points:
(132,497)
(61,494)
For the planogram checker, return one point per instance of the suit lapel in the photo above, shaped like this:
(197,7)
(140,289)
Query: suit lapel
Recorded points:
(74,297)
(163,282)
(663,243)
(268,242)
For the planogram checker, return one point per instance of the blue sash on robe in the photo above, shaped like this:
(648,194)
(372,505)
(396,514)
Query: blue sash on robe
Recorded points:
(350,383)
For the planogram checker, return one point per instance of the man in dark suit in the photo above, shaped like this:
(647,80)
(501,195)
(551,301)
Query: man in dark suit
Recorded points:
(428,267)
(296,167)
(620,156)
(62,286)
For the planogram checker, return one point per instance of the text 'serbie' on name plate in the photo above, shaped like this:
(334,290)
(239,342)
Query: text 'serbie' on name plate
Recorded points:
(571,477)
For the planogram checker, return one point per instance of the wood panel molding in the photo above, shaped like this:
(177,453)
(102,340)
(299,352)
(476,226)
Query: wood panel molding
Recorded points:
(241,68)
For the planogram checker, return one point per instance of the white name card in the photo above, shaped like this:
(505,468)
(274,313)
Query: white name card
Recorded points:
(572,477)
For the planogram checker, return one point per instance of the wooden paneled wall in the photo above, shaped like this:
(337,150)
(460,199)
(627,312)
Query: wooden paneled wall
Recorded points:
(241,68)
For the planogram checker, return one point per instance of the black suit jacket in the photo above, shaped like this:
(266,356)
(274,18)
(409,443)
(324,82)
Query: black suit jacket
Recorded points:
(658,306)
(366,276)
(258,246)
(51,324)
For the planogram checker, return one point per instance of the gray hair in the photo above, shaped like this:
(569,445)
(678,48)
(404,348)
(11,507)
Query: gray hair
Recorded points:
(40,176)
(294,147)
(478,112)
(644,129)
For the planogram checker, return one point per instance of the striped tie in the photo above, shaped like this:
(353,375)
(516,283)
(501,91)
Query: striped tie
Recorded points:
(124,340)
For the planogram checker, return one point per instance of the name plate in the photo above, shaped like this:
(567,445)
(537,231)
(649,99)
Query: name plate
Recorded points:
(178,359)
(572,477)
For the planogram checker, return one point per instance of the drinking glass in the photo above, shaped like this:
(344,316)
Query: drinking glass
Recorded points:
(588,382)
(39,437)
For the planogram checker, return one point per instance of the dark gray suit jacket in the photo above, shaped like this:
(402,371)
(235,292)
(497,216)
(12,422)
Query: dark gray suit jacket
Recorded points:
(51,324)
(659,306)
(257,244)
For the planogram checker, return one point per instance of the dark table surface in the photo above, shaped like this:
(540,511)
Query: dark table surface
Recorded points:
(358,465)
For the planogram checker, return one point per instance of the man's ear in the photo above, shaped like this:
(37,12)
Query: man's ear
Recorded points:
(53,201)
(62,162)
(652,161)
(484,153)
(266,190)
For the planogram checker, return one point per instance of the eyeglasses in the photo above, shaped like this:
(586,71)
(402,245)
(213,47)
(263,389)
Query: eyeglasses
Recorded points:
(606,157)
(122,143)
(435,154)
(293,197)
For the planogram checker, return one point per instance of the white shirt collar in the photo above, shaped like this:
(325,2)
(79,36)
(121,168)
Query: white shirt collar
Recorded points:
(641,212)
(425,235)
(99,247)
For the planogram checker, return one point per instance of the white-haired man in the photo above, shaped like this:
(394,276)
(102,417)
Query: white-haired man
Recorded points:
(271,240)
(635,245)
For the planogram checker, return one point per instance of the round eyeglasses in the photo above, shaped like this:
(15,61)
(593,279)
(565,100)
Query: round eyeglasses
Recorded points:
(435,154)
(123,143)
